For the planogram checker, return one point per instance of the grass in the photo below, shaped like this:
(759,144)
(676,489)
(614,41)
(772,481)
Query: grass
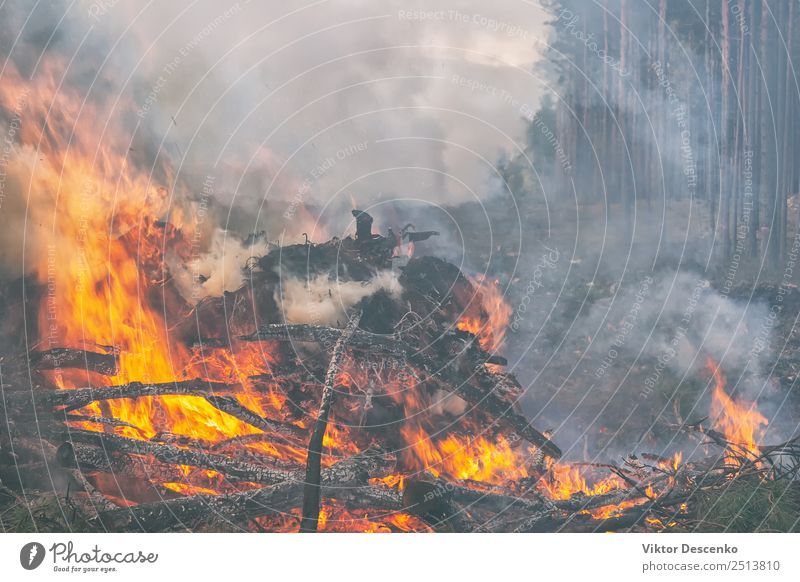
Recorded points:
(749,505)
(40,513)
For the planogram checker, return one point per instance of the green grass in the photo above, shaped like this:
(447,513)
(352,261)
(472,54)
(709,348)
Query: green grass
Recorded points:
(749,505)
(42,513)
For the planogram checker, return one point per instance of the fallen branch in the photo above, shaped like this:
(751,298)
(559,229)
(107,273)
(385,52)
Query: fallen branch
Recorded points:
(233,469)
(70,358)
(345,480)
(312,490)
(229,405)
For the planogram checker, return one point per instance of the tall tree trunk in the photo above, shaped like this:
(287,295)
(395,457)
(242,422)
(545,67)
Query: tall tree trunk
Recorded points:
(712,195)
(753,137)
(740,112)
(768,131)
(622,116)
(786,128)
(605,141)
(724,192)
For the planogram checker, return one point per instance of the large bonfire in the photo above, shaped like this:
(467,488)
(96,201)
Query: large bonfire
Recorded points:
(341,387)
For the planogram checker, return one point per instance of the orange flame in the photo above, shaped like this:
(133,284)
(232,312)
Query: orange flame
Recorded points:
(740,421)
(462,458)
(566,480)
(491,332)
(101,255)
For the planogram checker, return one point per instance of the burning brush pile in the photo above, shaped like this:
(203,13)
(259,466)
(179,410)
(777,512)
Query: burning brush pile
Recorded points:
(343,387)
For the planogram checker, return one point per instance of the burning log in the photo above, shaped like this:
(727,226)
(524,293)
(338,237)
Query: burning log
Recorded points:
(361,340)
(70,358)
(582,522)
(97,502)
(484,394)
(106,420)
(69,400)
(60,359)
(486,398)
(435,506)
(73,399)
(346,479)
(235,470)
(284,432)
(312,490)
(87,458)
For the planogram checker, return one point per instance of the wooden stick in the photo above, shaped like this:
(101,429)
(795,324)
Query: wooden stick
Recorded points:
(230,405)
(233,469)
(70,358)
(312,489)
(346,480)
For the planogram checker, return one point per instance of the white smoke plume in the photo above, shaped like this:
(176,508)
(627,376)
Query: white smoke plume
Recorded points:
(210,273)
(324,301)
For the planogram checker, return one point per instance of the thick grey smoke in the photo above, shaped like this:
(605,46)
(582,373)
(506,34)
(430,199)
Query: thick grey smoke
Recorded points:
(330,103)
(321,105)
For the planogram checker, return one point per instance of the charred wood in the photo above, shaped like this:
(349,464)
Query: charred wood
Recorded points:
(283,431)
(312,489)
(346,480)
(234,470)
(70,358)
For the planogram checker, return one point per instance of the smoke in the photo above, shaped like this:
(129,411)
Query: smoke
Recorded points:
(324,301)
(335,102)
(210,273)
(326,106)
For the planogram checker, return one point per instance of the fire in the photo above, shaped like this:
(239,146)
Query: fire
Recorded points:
(461,458)
(187,489)
(396,480)
(333,518)
(676,460)
(740,421)
(564,481)
(491,331)
(609,511)
(103,264)
(101,255)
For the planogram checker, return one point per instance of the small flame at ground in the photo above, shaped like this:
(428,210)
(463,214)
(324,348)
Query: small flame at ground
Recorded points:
(739,420)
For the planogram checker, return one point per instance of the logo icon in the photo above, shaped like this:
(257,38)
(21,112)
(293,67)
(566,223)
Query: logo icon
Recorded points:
(31,555)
